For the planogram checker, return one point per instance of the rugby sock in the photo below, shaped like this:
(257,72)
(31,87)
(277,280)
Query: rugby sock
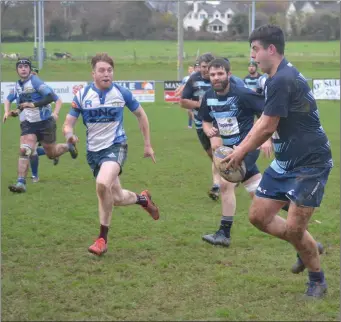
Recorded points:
(316,277)
(141,200)
(34,161)
(21,180)
(190,121)
(215,186)
(226,225)
(286,207)
(40,151)
(103,233)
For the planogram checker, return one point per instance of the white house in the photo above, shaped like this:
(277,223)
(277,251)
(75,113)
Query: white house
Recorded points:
(218,15)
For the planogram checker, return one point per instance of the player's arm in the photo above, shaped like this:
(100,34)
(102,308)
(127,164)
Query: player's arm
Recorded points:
(207,124)
(186,97)
(142,118)
(7,105)
(71,120)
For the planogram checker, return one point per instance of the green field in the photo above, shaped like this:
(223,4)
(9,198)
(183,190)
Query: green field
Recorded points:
(155,270)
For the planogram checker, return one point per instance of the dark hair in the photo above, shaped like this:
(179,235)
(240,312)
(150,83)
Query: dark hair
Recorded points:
(102,57)
(205,58)
(220,62)
(269,35)
(23,61)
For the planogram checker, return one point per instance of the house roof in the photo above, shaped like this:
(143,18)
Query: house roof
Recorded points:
(217,22)
(222,7)
(318,5)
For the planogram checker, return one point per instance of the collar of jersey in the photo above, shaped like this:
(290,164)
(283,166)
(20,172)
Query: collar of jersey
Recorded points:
(25,81)
(283,63)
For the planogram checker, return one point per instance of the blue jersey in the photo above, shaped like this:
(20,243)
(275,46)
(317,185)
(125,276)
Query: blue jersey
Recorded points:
(300,140)
(194,89)
(233,113)
(102,113)
(32,90)
(252,81)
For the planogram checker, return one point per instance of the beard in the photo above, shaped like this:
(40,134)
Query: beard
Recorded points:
(221,86)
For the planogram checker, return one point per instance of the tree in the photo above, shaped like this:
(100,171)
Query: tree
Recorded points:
(239,25)
(204,25)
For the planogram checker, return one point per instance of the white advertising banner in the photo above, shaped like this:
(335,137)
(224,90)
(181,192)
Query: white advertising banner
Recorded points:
(326,89)
(65,90)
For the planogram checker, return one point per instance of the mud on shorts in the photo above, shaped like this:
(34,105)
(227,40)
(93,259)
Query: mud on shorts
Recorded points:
(115,152)
(303,186)
(45,131)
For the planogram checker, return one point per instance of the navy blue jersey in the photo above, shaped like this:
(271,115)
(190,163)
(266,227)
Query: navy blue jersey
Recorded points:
(233,113)
(194,90)
(300,140)
(252,81)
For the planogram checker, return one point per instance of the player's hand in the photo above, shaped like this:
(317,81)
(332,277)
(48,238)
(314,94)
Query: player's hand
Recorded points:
(149,153)
(212,132)
(26,105)
(73,139)
(267,148)
(15,113)
(6,116)
(55,116)
(234,159)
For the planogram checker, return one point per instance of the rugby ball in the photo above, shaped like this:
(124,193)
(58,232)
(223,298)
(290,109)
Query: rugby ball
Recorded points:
(231,175)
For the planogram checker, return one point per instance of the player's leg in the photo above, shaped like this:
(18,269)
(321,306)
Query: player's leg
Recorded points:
(34,162)
(107,165)
(228,201)
(206,144)
(47,136)
(305,195)
(27,145)
(190,119)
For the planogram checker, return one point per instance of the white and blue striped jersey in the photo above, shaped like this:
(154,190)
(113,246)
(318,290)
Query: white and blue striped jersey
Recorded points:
(32,90)
(102,113)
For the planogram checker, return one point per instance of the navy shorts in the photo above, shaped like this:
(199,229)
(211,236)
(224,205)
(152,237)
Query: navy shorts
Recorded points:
(116,152)
(303,186)
(45,131)
(250,164)
(204,139)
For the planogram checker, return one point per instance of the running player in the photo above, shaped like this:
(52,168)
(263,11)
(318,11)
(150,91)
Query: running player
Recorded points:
(33,98)
(233,109)
(101,105)
(303,158)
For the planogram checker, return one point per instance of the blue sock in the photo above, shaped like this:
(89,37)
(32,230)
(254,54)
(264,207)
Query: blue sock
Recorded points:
(216,186)
(316,277)
(21,180)
(40,151)
(34,161)
(190,121)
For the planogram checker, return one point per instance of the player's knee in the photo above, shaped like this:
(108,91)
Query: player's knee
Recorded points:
(25,151)
(255,217)
(118,198)
(226,187)
(102,189)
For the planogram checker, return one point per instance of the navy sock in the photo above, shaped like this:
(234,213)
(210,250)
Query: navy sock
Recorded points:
(34,161)
(40,151)
(316,277)
(21,180)
(141,200)
(215,186)
(226,225)
(190,121)
(286,207)
(103,233)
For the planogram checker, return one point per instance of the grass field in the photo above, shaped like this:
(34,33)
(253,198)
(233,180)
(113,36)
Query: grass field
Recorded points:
(155,270)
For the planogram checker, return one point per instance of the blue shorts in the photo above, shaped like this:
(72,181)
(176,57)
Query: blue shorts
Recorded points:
(303,186)
(116,152)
